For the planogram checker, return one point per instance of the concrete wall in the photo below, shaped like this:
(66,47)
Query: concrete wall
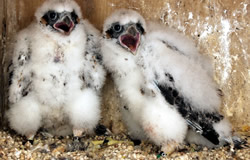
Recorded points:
(219,27)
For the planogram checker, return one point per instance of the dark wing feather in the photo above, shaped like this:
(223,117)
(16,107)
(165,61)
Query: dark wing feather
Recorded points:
(18,77)
(10,72)
(200,122)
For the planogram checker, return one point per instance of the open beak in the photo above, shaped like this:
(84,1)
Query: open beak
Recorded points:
(64,25)
(131,39)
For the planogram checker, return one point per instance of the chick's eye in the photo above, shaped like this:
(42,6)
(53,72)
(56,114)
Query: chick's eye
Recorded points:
(52,15)
(74,16)
(140,28)
(117,28)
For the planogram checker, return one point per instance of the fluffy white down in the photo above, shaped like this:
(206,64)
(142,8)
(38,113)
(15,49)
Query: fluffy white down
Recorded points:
(134,127)
(191,79)
(162,50)
(157,31)
(59,92)
(224,129)
(161,122)
(148,117)
(83,109)
(192,74)
(96,73)
(147,113)
(25,116)
(49,77)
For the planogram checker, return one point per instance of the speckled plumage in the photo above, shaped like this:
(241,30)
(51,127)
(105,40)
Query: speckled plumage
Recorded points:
(166,85)
(144,110)
(57,75)
(185,79)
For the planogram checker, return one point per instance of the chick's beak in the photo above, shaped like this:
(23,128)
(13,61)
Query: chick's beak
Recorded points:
(131,39)
(64,25)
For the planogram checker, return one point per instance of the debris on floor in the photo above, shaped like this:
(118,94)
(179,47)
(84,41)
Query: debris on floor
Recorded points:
(13,146)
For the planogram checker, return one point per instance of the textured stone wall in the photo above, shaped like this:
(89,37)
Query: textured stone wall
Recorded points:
(1,57)
(219,27)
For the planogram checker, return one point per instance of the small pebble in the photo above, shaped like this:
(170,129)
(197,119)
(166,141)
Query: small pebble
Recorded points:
(54,148)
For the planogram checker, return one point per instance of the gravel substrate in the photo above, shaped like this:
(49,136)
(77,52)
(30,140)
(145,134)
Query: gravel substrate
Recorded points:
(44,146)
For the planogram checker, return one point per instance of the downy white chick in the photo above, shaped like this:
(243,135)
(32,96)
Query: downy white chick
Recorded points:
(184,77)
(145,111)
(166,85)
(57,73)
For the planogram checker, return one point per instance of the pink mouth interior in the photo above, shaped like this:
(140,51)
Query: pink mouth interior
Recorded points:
(64,27)
(130,41)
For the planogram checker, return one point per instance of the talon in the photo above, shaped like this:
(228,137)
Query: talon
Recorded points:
(30,137)
(170,147)
(78,132)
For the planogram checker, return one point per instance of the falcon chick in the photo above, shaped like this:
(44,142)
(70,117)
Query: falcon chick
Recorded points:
(184,78)
(57,73)
(145,112)
(166,85)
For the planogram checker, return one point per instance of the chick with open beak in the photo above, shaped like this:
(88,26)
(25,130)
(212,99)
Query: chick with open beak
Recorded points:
(130,39)
(63,22)
(128,36)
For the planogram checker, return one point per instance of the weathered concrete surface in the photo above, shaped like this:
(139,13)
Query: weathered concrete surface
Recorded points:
(2,22)
(220,28)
